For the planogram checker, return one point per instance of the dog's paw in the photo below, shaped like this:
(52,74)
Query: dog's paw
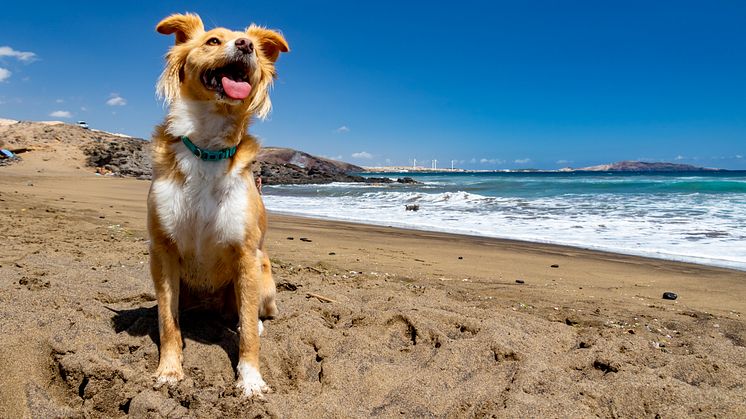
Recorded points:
(168,375)
(250,381)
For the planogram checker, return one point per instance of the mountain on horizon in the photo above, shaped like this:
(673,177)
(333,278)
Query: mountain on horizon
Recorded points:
(641,166)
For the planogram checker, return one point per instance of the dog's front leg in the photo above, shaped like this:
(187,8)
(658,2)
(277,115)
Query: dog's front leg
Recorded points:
(164,268)
(247,301)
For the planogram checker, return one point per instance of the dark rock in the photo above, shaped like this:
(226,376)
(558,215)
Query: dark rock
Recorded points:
(520,281)
(120,156)
(606,366)
(332,253)
(670,296)
(407,180)
(412,207)
(304,239)
(554,266)
(378,180)
(291,238)
(460,257)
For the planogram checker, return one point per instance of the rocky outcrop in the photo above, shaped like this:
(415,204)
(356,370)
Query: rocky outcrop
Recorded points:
(123,157)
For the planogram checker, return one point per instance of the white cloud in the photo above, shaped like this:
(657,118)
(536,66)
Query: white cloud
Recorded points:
(491,161)
(522,161)
(83,108)
(738,156)
(59,101)
(342,129)
(61,114)
(4,74)
(473,160)
(679,157)
(24,56)
(116,100)
(362,155)
(564,161)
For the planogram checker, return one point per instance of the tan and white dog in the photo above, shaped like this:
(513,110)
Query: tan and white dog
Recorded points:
(206,218)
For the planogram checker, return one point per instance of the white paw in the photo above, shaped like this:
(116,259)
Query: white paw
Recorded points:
(168,376)
(250,380)
(260,327)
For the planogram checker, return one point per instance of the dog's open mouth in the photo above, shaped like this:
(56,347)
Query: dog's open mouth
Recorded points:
(231,81)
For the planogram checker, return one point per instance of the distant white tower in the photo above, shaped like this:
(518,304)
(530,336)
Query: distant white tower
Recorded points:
(414,163)
(435,164)
(451,164)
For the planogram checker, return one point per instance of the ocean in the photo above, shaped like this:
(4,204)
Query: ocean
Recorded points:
(695,217)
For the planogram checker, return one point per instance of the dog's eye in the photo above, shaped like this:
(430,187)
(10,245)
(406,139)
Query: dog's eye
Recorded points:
(213,41)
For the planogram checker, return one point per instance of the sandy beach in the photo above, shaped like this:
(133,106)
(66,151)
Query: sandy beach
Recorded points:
(374,321)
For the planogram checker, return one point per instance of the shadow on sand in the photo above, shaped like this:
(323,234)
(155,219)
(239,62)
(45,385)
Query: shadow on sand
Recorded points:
(201,325)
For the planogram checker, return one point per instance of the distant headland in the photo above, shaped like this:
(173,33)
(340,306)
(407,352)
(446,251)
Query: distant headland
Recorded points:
(622,166)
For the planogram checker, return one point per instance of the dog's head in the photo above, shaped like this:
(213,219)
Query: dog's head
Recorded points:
(229,67)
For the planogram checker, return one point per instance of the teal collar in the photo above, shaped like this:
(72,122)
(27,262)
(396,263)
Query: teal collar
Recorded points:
(210,155)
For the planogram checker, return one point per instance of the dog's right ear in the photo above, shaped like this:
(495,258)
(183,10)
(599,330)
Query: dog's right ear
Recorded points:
(184,26)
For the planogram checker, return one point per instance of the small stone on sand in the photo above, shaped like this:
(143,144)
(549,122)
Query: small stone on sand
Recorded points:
(670,296)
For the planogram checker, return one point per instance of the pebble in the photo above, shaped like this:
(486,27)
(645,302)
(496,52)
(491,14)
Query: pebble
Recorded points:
(304,239)
(291,238)
(554,266)
(332,253)
(460,257)
(520,281)
(670,296)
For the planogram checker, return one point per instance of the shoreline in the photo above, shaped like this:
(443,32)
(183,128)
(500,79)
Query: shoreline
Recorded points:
(691,260)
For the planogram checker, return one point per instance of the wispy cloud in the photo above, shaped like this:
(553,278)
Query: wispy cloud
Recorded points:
(59,101)
(564,161)
(61,114)
(4,74)
(491,161)
(342,129)
(521,161)
(24,56)
(116,100)
(362,155)
(679,157)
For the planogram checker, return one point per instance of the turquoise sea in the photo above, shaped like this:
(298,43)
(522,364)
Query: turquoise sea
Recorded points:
(691,216)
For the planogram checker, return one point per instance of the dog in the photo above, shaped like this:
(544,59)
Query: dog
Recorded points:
(206,218)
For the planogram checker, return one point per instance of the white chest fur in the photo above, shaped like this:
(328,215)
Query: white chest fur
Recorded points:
(208,209)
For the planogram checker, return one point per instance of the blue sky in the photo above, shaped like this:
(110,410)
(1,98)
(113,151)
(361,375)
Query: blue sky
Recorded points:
(491,85)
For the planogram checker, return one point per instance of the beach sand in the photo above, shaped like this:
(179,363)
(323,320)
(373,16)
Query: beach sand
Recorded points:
(374,321)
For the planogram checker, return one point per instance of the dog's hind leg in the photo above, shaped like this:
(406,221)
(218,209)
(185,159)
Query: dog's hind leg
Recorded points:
(164,268)
(247,287)
(267,289)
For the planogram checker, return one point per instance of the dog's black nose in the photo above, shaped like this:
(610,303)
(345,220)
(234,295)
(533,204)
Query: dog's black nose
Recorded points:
(245,45)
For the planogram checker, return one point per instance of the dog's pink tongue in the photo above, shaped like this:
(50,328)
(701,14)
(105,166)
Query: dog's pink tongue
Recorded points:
(236,89)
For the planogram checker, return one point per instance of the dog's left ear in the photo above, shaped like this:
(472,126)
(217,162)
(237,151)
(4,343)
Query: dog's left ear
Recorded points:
(183,26)
(270,42)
